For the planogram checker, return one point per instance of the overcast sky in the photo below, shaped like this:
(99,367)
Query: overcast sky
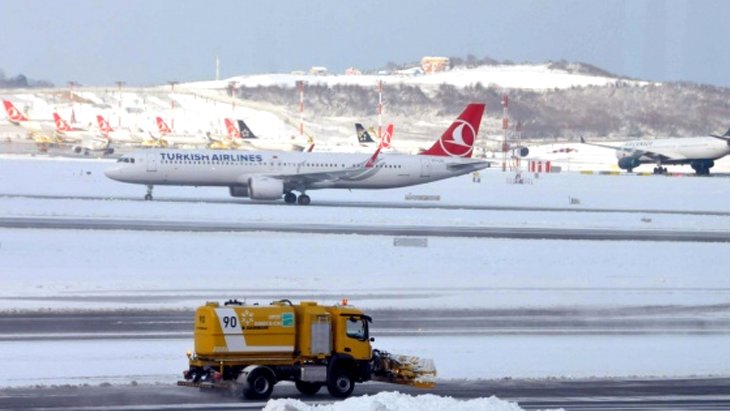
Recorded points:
(144,42)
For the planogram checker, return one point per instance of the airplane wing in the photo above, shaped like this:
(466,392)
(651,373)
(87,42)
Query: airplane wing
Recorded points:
(632,152)
(361,170)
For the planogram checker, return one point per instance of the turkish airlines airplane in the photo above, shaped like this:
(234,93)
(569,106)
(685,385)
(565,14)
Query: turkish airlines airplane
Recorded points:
(121,136)
(271,175)
(699,152)
(81,141)
(173,138)
(42,132)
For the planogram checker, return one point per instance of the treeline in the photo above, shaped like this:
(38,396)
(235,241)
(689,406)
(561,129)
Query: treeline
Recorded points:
(615,111)
(21,81)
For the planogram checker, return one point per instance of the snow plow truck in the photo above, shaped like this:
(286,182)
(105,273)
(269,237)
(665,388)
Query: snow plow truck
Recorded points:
(247,349)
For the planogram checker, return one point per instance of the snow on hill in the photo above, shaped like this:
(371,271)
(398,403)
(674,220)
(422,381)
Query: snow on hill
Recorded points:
(522,76)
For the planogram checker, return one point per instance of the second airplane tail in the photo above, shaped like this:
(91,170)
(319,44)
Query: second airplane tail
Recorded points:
(458,140)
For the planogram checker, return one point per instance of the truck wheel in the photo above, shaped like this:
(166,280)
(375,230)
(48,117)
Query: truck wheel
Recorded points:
(259,385)
(340,384)
(308,388)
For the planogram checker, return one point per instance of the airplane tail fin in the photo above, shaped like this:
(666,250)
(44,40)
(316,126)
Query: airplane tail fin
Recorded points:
(103,124)
(61,124)
(387,137)
(458,140)
(14,115)
(231,129)
(245,131)
(162,126)
(363,136)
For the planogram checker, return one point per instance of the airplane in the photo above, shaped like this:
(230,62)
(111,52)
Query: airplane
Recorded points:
(126,136)
(41,132)
(249,139)
(81,141)
(176,139)
(271,175)
(363,136)
(698,152)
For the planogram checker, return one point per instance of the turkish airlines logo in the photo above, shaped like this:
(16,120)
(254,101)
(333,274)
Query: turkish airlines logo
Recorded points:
(14,114)
(461,140)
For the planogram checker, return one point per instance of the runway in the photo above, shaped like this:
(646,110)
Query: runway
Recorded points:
(530,233)
(67,328)
(427,205)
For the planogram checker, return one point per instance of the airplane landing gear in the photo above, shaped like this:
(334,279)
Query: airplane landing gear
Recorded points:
(303,199)
(290,198)
(660,170)
(148,196)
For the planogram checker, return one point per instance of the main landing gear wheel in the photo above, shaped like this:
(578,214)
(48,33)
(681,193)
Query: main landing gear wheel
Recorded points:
(660,170)
(148,196)
(303,199)
(290,198)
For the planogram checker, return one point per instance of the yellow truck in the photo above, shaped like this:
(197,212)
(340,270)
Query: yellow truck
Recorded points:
(247,349)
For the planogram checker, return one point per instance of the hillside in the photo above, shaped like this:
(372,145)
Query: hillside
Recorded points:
(553,101)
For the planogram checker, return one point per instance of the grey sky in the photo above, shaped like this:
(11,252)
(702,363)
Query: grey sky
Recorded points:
(97,42)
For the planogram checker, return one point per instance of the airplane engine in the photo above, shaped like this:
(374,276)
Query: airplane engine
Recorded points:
(628,163)
(78,149)
(238,191)
(523,151)
(263,188)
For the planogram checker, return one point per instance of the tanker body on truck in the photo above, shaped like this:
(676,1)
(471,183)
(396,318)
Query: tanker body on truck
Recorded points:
(249,348)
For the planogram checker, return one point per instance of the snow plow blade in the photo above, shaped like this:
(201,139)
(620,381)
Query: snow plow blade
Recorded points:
(404,369)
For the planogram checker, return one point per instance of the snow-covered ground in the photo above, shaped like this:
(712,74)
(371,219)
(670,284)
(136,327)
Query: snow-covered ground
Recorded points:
(522,76)
(112,270)
(396,401)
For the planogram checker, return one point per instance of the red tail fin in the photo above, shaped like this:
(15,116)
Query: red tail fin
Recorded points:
(61,125)
(231,129)
(14,114)
(458,140)
(103,124)
(387,137)
(162,126)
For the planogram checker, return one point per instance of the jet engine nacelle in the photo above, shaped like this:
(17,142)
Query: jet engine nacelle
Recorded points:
(522,151)
(628,163)
(238,191)
(264,188)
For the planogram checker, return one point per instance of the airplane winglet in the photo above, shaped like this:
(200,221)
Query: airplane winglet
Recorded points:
(371,162)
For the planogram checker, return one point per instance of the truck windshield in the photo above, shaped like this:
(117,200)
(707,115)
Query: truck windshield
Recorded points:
(357,328)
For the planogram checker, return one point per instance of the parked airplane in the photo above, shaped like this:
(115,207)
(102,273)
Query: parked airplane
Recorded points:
(365,140)
(266,175)
(699,152)
(250,140)
(185,140)
(126,135)
(42,132)
(81,141)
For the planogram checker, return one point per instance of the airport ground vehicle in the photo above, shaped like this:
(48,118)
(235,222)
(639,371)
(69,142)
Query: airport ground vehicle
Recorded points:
(247,349)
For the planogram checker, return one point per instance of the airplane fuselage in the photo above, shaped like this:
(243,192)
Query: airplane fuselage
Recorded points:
(677,150)
(296,169)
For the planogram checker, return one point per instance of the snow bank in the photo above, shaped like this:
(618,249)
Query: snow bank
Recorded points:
(391,401)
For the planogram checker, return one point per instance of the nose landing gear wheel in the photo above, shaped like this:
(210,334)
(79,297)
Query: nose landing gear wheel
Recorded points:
(303,199)
(148,196)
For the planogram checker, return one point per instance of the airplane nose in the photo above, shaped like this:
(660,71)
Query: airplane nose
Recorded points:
(114,173)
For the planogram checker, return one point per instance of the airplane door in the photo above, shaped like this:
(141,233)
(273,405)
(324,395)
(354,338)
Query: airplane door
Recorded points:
(151,162)
(425,167)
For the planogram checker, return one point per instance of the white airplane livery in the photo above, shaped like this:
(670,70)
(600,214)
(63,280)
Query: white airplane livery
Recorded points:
(272,175)
(699,152)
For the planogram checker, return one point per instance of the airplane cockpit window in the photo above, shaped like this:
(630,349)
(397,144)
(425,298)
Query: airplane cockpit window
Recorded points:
(125,160)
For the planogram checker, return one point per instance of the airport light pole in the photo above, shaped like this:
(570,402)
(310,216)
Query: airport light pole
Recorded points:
(119,83)
(71,85)
(172,102)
